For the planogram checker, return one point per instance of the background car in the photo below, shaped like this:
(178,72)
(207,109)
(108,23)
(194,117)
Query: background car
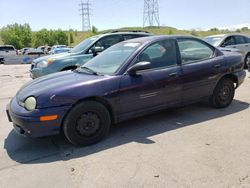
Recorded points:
(23,51)
(130,79)
(33,51)
(47,49)
(7,50)
(41,49)
(56,47)
(240,42)
(81,53)
(61,50)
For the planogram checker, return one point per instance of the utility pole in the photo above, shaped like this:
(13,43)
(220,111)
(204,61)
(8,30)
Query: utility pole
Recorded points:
(151,13)
(85,13)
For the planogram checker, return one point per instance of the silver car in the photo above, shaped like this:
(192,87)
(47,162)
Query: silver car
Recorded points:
(238,41)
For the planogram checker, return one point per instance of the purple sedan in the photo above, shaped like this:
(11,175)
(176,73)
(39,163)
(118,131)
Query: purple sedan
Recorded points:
(130,79)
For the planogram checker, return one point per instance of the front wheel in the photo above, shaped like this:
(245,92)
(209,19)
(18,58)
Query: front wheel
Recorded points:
(247,62)
(87,123)
(223,93)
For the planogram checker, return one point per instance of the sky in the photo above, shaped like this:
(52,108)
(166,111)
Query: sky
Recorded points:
(109,14)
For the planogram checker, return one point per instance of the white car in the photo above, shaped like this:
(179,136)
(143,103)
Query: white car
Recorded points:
(236,41)
(52,51)
(7,50)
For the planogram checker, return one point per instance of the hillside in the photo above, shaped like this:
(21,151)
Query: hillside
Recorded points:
(80,36)
(159,31)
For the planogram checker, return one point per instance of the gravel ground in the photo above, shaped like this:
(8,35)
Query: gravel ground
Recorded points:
(194,146)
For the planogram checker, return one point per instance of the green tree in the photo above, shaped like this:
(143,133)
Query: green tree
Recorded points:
(170,32)
(94,30)
(49,37)
(71,38)
(214,29)
(41,38)
(76,32)
(17,35)
(244,29)
(61,37)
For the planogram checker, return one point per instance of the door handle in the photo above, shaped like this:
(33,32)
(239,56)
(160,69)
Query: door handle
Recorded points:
(172,75)
(217,66)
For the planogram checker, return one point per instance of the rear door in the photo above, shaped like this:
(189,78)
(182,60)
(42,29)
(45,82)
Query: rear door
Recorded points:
(242,44)
(155,88)
(201,69)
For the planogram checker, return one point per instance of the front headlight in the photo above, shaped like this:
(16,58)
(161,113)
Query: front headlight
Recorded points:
(42,64)
(30,103)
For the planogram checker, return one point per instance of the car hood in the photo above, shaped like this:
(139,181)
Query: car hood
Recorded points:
(61,85)
(53,56)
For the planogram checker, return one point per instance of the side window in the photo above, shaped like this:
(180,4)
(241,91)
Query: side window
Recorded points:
(109,41)
(194,50)
(239,40)
(228,42)
(160,54)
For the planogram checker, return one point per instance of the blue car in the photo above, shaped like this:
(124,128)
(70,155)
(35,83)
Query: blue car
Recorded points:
(130,79)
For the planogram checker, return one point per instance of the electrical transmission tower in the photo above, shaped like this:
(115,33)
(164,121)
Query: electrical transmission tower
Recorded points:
(151,13)
(85,13)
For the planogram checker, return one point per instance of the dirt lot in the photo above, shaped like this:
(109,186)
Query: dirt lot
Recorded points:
(194,146)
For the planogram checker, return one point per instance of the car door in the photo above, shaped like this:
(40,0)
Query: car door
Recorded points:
(201,69)
(229,42)
(241,44)
(155,88)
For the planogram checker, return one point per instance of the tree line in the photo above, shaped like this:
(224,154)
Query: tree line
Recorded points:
(22,36)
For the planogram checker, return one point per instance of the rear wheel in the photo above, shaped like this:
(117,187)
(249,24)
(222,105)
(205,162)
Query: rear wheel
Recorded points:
(87,123)
(223,93)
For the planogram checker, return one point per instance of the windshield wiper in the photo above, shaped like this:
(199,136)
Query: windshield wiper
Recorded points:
(90,70)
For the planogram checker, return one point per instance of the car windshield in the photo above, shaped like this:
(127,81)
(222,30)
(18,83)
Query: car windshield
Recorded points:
(84,44)
(215,41)
(111,59)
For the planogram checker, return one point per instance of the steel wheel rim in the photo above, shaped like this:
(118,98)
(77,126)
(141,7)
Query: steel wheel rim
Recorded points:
(224,93)
(88,124)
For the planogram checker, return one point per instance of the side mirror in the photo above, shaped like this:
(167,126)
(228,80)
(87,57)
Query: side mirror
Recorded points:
(97,50)
(144,65)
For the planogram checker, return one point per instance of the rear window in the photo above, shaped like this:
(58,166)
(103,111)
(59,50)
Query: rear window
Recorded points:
(6,48)
(240,40)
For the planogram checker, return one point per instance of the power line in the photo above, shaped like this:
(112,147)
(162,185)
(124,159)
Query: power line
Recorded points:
(151,13)
(85,13)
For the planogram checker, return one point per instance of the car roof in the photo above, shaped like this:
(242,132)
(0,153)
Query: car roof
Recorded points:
(159,37)
(228,35)
(126,33)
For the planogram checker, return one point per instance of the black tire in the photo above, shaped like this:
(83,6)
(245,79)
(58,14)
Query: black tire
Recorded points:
(247,61)
(223,94)
(87,123)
